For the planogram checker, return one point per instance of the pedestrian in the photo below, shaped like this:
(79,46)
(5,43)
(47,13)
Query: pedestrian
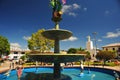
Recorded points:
(81,66)
(12,64)
(36,65)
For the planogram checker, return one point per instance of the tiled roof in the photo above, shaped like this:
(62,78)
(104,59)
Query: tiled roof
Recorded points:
(112,45)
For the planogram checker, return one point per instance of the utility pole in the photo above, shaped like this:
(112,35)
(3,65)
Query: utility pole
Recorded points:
(94,35)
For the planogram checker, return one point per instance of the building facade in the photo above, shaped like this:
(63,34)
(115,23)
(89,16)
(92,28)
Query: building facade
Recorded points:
(16,52)
(113,47)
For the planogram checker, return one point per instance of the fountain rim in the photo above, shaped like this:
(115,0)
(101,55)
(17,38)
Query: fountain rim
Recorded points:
(57,58)
(58,29)
(59,54)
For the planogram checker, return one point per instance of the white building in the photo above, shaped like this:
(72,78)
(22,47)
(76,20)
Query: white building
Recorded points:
(90,48)
(113,47)
(16,52)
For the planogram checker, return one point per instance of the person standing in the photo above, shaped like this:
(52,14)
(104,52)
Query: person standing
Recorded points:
(19,70)
(12,64)
(82,67)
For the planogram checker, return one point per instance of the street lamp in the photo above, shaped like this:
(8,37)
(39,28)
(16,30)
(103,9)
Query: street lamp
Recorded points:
(94,35)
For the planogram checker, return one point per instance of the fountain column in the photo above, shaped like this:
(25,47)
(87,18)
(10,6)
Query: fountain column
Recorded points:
(57,73)
(56,43)
(56,46)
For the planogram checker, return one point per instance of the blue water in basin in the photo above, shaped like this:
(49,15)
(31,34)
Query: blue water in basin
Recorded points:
(74,73)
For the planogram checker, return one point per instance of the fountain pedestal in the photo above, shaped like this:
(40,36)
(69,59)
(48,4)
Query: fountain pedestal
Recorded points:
(57,35)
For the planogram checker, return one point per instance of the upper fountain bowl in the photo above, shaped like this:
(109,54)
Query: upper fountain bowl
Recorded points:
(57,34)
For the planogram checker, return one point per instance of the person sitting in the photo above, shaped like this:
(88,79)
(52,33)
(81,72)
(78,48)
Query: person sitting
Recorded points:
(89,71)
(116,75)
(7,73)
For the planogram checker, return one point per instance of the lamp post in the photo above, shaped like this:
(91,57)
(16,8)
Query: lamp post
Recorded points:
(94,35)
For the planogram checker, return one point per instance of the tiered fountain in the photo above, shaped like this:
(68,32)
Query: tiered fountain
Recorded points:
(57,34)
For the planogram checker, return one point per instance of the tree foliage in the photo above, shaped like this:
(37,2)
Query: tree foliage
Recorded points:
(106,55)
(39,42)
(80,49)
(88,56)
(72,50)
(77,50)
(4,45)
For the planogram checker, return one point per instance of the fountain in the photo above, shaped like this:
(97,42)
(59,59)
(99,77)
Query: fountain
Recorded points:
(57,34)
(57,58)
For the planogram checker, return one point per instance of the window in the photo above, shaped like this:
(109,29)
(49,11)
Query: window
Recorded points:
(118,49)
(22,52)
(106,49)
(113,49)
(15,56)
(15,52)
(118,54)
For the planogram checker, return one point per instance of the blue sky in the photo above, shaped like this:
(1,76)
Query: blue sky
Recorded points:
(20,18)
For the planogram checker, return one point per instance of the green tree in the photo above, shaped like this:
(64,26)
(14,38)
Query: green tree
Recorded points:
(39,42)
(81,49)
(4,46)
(77,50)
(88,57)
(72,50)
(106,55)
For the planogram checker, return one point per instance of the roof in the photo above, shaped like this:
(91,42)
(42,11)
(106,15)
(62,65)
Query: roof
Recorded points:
(112,45)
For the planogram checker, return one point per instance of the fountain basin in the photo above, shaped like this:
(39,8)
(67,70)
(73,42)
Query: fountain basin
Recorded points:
(57,58)
(71,72)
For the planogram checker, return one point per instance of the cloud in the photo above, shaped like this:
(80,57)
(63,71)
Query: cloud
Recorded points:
(99,40)
(15,45)
(107,12)
(85,9)
(26,37)
(72,14)
(71,39)
(69,9)
(112,34)
(76,6)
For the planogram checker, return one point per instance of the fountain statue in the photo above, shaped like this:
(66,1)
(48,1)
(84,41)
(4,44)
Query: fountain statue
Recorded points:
(57,34)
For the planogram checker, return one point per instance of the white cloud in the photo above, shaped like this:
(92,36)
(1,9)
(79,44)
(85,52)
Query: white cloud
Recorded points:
(76,6)
(72,14)
(69,9)
(71,39)
(85,9)
(107,12)
(99,40)
(15,45)
(26,37)
(112,34)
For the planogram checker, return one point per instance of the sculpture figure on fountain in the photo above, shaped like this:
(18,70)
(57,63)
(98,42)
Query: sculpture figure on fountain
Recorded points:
(57,10)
